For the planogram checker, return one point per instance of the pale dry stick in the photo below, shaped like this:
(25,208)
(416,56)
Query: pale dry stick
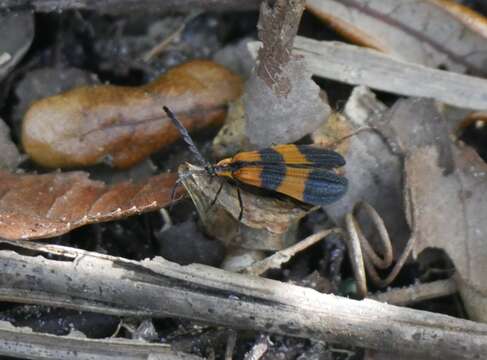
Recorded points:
(117,330)
(283,256)
(363,256)
(417,292)
(159,288)
(231,342)
(259,349)
(24,343)
(166,218)
(156,50)
(343,352)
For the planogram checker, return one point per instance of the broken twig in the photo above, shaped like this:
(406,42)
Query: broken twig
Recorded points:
(277,259)
(24,343)
(417,292)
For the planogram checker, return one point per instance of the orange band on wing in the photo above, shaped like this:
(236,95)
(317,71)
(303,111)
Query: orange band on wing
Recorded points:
(251,175)
(291,154)
(294,182)
(249,156)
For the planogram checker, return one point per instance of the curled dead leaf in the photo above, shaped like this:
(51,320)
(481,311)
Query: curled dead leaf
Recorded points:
(40,206)
(123,125)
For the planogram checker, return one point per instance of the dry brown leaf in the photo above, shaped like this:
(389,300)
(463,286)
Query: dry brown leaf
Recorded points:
(123,125)
(420,31)
(445,193)
(40,206)
(448,212)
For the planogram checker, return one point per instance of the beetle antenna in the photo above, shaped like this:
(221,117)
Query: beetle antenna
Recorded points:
(187,138)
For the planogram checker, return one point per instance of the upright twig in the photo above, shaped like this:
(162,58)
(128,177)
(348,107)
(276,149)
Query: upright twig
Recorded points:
(277,27)
(282,104)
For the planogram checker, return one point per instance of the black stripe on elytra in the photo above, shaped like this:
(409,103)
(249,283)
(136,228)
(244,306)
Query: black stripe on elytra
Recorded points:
(321,157)
(273,169)
(324,187)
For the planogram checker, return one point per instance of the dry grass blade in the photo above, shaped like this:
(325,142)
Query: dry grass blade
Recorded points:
(364,257)
(417,292)
(277,259)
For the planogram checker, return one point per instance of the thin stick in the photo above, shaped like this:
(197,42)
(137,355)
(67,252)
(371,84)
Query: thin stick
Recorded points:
(231,342)
(24,343)
(149,55)
(277,259)
(417,292)
(259,349)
